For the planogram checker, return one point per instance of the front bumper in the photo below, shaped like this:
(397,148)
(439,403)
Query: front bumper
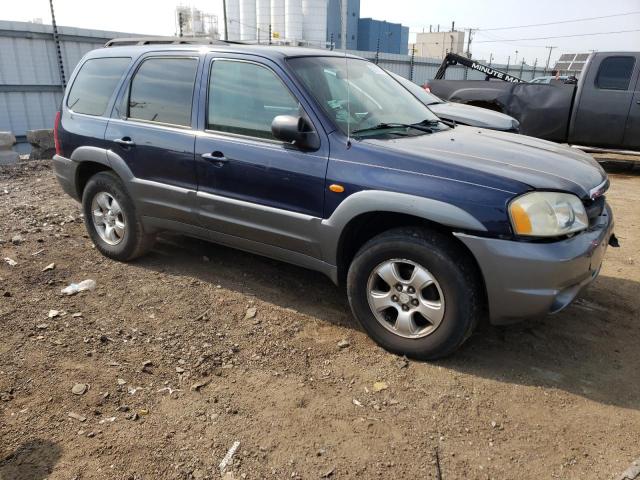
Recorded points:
(65,170)
(525,279)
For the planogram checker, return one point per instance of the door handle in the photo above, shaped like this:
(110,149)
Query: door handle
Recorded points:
(217,158)
(125,142)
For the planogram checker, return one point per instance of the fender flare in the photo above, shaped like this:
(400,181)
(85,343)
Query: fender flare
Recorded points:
(370,201)
(104,157)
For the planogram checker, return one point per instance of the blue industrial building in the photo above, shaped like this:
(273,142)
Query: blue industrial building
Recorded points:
(343,24)
(379,35)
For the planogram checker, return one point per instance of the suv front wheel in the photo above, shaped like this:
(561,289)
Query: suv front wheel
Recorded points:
(415,292)
(111,219)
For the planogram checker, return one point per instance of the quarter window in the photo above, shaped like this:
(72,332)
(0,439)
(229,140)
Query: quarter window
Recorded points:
(162,91)
(94,84)
(245,97)
(615,73)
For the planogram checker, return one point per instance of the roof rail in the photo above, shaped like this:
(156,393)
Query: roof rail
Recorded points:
(126,41)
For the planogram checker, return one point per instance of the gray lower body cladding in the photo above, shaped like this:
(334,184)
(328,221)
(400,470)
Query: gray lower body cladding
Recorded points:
(525,279)
(65,170)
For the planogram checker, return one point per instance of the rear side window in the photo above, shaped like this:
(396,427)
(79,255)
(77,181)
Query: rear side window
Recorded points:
(94,84)
(245,97)
(162,91)
(615,73)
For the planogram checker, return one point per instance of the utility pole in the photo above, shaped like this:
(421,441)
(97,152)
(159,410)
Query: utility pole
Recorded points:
(469,43)
(224,16)
(490,58)
(521,68)
(508,63)
(548,59)
(56,40)
(535,64)
(413,57)
(179,24)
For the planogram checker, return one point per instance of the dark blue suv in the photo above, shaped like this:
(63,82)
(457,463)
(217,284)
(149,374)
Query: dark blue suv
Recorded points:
(323,160)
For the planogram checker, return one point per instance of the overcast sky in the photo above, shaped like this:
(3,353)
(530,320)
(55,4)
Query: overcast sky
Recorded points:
(157,17)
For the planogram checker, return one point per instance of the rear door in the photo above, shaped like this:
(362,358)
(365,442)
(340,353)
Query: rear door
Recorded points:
(85,112)
(250,185)
(604,100)
(151,130)
(632,131)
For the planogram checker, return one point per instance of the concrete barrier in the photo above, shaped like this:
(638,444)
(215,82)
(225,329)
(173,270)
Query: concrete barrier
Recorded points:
(7,155)
(42,144)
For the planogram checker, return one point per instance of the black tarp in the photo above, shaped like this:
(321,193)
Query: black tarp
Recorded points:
(543,110)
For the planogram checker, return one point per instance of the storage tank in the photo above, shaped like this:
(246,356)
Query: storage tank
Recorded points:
(248,28)
(263,19)
(315,22)
(233,19)
(277,19)
(293,20)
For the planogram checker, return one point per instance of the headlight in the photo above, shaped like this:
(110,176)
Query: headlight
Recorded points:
(547,214)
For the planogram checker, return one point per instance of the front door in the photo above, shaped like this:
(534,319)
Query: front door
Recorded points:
(603,108)
(152,132)
(250,185)
(632,132)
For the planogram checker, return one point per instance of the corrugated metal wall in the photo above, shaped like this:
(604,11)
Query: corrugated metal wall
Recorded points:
(30,87)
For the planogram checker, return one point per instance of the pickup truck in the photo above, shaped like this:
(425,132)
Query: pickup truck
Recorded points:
(601,112)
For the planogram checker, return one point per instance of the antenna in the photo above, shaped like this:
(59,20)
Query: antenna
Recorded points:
(344,14)
(346,63)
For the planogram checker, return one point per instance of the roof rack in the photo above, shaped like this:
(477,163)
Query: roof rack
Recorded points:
(127,41)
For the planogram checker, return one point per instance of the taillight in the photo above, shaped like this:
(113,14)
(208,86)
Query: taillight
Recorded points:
(56,139)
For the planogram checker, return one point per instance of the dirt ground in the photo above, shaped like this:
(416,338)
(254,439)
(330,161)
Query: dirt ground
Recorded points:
(195,347)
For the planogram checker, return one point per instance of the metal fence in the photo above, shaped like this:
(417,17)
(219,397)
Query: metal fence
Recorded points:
(31,89)
(30,86)
(425,68)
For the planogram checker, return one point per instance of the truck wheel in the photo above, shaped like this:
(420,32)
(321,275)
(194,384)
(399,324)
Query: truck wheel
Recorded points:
(415,292)
(111,220)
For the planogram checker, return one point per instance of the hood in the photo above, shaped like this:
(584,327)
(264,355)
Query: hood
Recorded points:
(474,116)
(537,163)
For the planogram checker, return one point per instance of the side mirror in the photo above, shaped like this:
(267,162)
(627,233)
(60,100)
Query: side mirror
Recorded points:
(295,130)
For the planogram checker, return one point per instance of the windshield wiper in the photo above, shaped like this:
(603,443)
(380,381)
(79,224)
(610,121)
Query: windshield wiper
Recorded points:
(428,123)
(387,125)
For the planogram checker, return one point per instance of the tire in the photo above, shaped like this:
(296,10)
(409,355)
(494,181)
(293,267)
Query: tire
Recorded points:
(132,242)
(455,286)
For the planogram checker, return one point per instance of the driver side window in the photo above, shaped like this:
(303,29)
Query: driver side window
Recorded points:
(244,98)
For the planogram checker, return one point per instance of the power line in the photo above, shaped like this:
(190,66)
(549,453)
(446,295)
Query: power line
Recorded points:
(564,21)
(557,36)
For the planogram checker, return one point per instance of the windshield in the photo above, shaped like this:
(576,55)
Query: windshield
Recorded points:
(420,93)
(360,96)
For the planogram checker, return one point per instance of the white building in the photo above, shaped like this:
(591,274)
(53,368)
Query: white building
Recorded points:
(192,22)
(438,44)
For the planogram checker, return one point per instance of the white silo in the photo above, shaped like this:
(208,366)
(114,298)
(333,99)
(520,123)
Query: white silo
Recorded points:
(315,22)
(248,28)
(293,20)
(233,19)
(277,19)
(263,19)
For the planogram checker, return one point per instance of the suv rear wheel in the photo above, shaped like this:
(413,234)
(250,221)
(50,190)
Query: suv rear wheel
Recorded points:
(415,292)
(111,219)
